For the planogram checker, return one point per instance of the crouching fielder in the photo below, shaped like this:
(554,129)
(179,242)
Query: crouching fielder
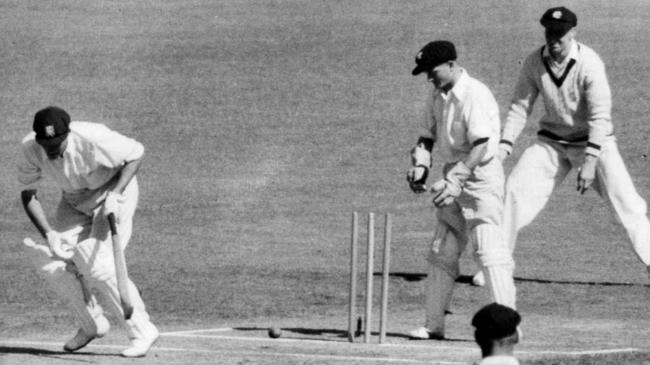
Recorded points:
(95,169)
(462,118)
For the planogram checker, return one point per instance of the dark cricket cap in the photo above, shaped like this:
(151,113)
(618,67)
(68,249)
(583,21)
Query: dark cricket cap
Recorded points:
(559,19)
(434,54)
(496,321)
(51,124)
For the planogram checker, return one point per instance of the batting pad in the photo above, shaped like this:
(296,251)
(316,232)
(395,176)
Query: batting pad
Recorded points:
(496,262)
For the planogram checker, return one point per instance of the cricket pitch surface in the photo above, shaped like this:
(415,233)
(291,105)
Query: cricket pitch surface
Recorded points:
(548,339)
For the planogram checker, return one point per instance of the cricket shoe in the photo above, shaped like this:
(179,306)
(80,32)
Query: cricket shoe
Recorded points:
(82,338)
(423,333)
(140,346)
(478,279)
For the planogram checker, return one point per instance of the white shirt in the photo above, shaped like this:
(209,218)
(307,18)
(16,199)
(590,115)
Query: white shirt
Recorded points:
(458,118)
(499,360)
(93,156)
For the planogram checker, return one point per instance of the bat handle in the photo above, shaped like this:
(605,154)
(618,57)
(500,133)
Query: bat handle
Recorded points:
(111,223)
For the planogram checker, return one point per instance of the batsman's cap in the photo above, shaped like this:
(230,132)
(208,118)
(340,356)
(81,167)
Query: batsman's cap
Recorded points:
(559,20)
(51,124)
(496,321)
(434,54)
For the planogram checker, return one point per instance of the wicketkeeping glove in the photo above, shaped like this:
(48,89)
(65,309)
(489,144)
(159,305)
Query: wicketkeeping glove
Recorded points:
(446,192)
(417,178)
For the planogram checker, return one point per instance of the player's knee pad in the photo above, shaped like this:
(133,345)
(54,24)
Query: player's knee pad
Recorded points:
(491,248)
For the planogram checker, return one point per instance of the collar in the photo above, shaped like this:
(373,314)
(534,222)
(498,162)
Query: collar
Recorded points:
(573,53)
(460,87)
(499,360)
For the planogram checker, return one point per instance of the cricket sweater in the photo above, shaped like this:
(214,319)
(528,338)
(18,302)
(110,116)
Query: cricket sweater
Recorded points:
(576,95)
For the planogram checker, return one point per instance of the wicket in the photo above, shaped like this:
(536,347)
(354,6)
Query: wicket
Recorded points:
(369,277)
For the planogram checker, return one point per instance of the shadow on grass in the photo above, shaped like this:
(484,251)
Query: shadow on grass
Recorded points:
(337,333)
(55,354)
(467,279)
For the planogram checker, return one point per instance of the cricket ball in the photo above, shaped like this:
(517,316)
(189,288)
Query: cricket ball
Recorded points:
(275,332)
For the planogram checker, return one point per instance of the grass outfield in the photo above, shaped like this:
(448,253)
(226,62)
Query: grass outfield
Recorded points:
(267,123)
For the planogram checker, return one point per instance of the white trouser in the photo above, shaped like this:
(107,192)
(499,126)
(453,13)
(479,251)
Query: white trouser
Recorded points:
(63,281)
(93,258)
(545,164)
(473,218)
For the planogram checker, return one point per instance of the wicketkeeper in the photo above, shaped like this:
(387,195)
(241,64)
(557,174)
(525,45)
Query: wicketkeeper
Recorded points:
(95,169)
(462,119)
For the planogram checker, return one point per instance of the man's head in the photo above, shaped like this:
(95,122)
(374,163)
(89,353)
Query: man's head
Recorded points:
(438,60)
(559,24)
(52,126)
(496,329)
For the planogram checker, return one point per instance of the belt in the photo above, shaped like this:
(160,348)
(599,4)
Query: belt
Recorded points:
(555,137)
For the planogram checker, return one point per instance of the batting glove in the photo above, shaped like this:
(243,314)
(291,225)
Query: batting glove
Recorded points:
(55,241)
(417,177)
(112,204)
(446,192)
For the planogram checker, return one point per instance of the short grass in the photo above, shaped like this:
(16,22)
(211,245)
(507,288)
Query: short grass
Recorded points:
(267,123)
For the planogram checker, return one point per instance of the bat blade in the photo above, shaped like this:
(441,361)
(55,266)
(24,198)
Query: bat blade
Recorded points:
(121,272)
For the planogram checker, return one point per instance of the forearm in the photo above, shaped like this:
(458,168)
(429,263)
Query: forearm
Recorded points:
(129,170)
(514,124)
(477,154)
(35,211)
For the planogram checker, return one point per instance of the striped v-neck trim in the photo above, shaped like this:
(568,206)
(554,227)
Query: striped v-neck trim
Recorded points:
(557,81)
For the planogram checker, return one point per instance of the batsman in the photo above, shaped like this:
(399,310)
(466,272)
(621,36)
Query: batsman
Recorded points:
(462,120)
(95,169)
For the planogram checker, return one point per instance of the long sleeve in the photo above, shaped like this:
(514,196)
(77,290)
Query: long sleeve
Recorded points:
(599,104)
(523,100)
(482,118)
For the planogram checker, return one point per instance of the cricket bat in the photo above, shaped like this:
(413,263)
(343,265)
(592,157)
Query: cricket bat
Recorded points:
(121,273)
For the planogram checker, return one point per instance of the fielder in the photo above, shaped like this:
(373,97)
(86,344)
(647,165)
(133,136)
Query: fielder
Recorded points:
(462,118)
(95,169)
(575,131)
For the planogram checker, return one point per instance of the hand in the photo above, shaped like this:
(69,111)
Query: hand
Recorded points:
(112,204)
(587,173)
(417,177)
(55,241)
(446,192)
